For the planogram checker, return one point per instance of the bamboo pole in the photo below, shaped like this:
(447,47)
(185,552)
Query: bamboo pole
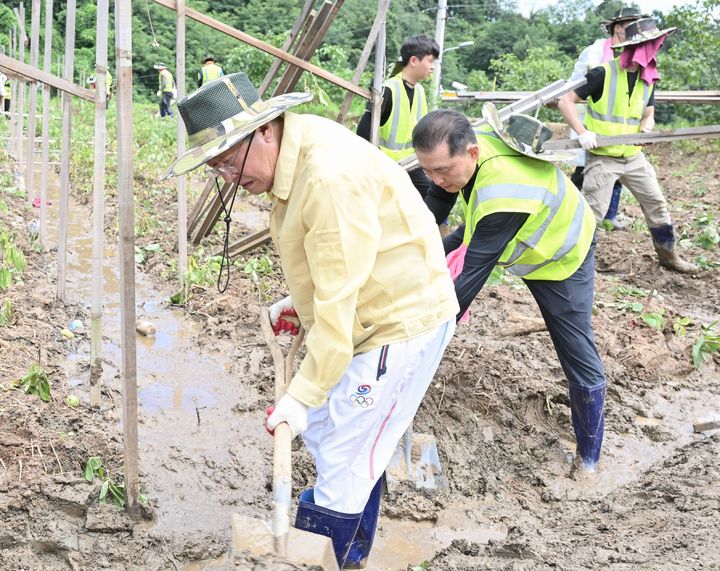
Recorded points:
(267,48)
(34,50)
(286,47)
(20,109)
(383,7)
(13,95)
(378,82)
(45,125)
(65,151)
(98,244)
(181,180)
(123,62)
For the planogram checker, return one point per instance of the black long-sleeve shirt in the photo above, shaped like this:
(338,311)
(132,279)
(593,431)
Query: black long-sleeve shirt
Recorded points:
(492,235)
(363,128)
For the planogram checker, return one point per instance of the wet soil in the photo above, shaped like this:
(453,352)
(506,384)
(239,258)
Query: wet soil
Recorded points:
(498,409)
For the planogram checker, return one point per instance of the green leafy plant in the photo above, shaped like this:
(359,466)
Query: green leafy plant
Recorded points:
(634,306)
(12,260)
(705,345)
(109,488)
(258,266)
(141,254)
(704,263)
(654,320)
(6,313)
(630,290)
(199,274)
(680,326)
(708,237)
(35,382)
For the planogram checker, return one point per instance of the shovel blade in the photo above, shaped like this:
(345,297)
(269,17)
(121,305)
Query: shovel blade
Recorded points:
(416,462)
(252,535)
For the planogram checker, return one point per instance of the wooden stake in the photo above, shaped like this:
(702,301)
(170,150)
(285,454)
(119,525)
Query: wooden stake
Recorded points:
(65,148)
(20,109)
(378,82)
(47,64)
(98,244)
(286,47)
(267,48)
(181,180)
(13,95)
(364,56)
(123,62)
(27,71)
(34,39)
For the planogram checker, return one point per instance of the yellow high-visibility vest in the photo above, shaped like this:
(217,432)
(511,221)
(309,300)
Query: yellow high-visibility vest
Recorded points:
(616,113)
(166,81)
(395,136)
(556,237)
(210,73)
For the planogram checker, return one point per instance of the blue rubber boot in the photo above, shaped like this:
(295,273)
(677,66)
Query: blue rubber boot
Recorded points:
(339,527)
(612,211)
(588,419)
(362,544)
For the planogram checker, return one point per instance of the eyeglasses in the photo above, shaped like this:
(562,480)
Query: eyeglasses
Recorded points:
(226,167)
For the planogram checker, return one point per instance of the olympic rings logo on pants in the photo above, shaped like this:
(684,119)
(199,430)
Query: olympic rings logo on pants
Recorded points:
(360,398)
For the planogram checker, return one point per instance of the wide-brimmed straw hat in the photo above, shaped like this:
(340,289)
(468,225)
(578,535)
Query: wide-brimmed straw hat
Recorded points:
(222,113)
(643,30)
(525,134)
(623,15)
(160,66)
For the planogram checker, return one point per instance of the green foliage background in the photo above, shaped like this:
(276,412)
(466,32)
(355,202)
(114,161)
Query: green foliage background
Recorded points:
(510,51)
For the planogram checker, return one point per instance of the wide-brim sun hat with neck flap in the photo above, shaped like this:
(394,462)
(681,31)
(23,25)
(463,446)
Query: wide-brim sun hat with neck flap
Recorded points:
(525,134)
(643,30)
(622,15)
(222,113)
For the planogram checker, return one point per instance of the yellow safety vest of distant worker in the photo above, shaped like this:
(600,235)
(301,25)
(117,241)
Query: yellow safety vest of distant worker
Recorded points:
(557,235)
(395,136)
(210,71)
(616,113)
(166,81)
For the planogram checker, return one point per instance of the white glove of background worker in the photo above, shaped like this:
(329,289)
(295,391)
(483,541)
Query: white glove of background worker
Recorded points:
(277,308)
(159,93)
(588,140)
(290,410)
(648,125)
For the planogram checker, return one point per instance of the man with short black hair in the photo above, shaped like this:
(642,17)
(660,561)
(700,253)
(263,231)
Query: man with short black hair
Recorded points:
(210,71)
(523,214)
(404,104)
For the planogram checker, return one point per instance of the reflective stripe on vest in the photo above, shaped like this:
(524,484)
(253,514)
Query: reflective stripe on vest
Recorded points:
(210,73)
(395,136)
(555,238)
(616,113)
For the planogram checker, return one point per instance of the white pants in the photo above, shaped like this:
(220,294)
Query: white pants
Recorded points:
(354,434)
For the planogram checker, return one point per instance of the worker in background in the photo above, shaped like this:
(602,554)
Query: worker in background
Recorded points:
(166,91)
(367,278)
(522,213)
(209,71)
(108,80)
(621,96)
(592,56)
(403,104)
(5,92)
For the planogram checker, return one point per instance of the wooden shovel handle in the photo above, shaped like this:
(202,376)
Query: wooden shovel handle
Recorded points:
(282,468)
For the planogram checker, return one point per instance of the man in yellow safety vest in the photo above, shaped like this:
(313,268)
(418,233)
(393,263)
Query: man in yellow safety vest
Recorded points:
(521,213)
(166,91)
(621,101)
(209,71)
(404,104)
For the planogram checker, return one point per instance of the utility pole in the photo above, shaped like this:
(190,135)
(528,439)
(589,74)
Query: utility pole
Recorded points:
(440,39)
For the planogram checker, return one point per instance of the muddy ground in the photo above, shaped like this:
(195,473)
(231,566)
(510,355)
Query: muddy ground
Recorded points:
(498,408)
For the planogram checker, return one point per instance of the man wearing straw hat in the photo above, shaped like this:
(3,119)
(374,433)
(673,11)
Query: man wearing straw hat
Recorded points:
(592,56)
(166,90)
(523,214)
(367,277)
(620,101)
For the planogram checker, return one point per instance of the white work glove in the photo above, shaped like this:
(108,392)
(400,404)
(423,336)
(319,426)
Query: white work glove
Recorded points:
(277,308)
(588,140)
(648,125)
(290,410)
(159,93)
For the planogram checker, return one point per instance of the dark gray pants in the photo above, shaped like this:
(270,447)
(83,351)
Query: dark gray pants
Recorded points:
(566,307)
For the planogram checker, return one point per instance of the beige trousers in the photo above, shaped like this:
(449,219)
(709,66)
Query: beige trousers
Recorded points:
(636,173)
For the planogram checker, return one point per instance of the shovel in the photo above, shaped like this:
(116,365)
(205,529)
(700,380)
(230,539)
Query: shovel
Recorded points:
(252,534)
(416,462)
